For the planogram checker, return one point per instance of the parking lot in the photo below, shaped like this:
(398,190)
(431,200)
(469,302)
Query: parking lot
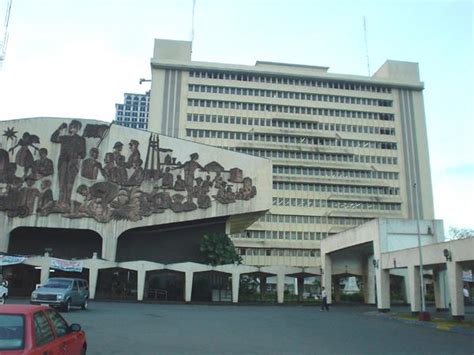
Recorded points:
(134,328)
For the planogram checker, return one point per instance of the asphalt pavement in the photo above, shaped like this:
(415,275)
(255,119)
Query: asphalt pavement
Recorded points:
(135,328)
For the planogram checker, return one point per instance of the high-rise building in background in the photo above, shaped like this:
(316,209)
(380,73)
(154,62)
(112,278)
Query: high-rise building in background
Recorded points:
(133,112)
(345,149)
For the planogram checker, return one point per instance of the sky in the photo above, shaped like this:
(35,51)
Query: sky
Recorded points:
(69,58)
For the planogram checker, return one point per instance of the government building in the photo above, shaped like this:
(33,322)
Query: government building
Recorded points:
(345,149)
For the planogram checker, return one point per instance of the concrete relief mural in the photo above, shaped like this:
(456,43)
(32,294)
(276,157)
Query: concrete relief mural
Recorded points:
(118,186)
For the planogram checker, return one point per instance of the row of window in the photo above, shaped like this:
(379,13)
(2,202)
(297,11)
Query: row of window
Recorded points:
(287,219)
(278,252)
(303,110)
(193,117)
(132,108)
(280,138)
(127,119)
(289,95)
(360,205)
(133,125)
(131,114)
(335,173)
(271,79)
(346,189)
(284,235)
(288,154)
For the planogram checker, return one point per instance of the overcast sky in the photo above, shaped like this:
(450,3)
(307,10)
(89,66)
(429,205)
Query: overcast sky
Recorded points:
(74,58)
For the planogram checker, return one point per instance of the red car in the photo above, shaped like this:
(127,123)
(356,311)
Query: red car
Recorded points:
(38,330)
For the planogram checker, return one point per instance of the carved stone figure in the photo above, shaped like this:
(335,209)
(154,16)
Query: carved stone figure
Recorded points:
(236,175)
(73,149)
(134,153)
(225,194)
(179,185)
(177,203)
(138,174)
(218,181)
(45,200)
(247,191)
(118,151)
(29,194)
(167,179)
(13,202)
(189,168)
(43,166)
(91,166)
(109,165)
(207,184)
(23,157)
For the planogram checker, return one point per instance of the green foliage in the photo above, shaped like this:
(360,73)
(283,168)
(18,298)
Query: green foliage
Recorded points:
(218,249)
(352,297)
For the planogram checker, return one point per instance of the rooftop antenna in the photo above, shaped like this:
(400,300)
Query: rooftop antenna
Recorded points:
(4,40)
(192,26)
(366,46)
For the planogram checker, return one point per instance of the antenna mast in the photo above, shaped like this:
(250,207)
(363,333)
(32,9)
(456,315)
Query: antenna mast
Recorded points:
(366,46)
(4,35)
(192,25)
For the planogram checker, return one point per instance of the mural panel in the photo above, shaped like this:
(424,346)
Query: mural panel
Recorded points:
(134,179)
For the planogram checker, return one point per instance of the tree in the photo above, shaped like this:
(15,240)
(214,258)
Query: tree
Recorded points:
(218,249)
(460,233)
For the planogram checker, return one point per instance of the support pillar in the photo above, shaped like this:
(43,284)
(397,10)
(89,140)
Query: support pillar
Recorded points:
(141,276)
(263,286)
(93,275)
(300,288)
(382,279)
(280,287)
(109,248)
(337,289)
(369,284)
(438,294)
(235,287)
(188,285)
(44,273)
(414,290)
(455,284)
(4,241)
(326,276)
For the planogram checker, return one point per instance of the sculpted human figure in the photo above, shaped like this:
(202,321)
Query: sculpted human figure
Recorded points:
(43,166)
(109,165)
(179,184)
(138,174)
(167,179)
(189,168)
(23,157)
(45,200)
(91,166)
(29,194)
(73,149)
(134,153)
(118,151)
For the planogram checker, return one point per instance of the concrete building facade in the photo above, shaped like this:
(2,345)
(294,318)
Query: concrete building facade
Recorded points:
(345,149)
(134,110)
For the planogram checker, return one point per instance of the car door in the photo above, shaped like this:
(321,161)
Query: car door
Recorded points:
(70,342)
(75,294)
(45,341)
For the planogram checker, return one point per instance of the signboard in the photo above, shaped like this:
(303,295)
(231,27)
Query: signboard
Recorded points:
(11,260)
(67,265)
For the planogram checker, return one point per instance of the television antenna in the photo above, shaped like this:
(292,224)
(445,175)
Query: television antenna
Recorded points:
(366,46)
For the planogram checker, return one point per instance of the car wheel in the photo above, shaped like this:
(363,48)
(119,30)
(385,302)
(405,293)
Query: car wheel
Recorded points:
(84,350)
(67,306)
(2,299)
(85,305)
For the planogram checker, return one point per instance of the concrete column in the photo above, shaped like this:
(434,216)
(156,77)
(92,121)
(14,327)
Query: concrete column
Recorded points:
(4,241)
(382,279)
(369,283)
(455,285)
(141,276)
(299,287)
(414,290)
(326,277)
(337,289)
(188,285)
(109,248)
(93,275)
(235,287)
(263,286)
(280,287)
(437,291)
(44,273)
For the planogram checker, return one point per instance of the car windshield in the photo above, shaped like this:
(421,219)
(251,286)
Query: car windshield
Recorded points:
(11,331)
(57,284)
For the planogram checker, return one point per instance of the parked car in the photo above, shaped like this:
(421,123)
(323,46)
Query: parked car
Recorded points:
(3,292)
(63,293)
(38,330)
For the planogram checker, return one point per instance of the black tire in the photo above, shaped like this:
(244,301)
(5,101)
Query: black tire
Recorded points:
(85,305)
(67,306)
(84,350)
(3,299)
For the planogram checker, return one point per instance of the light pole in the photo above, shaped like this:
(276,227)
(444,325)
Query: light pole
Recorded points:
(422,286)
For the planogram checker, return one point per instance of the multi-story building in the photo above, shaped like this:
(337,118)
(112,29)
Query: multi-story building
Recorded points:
(345,149)
(133,112)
